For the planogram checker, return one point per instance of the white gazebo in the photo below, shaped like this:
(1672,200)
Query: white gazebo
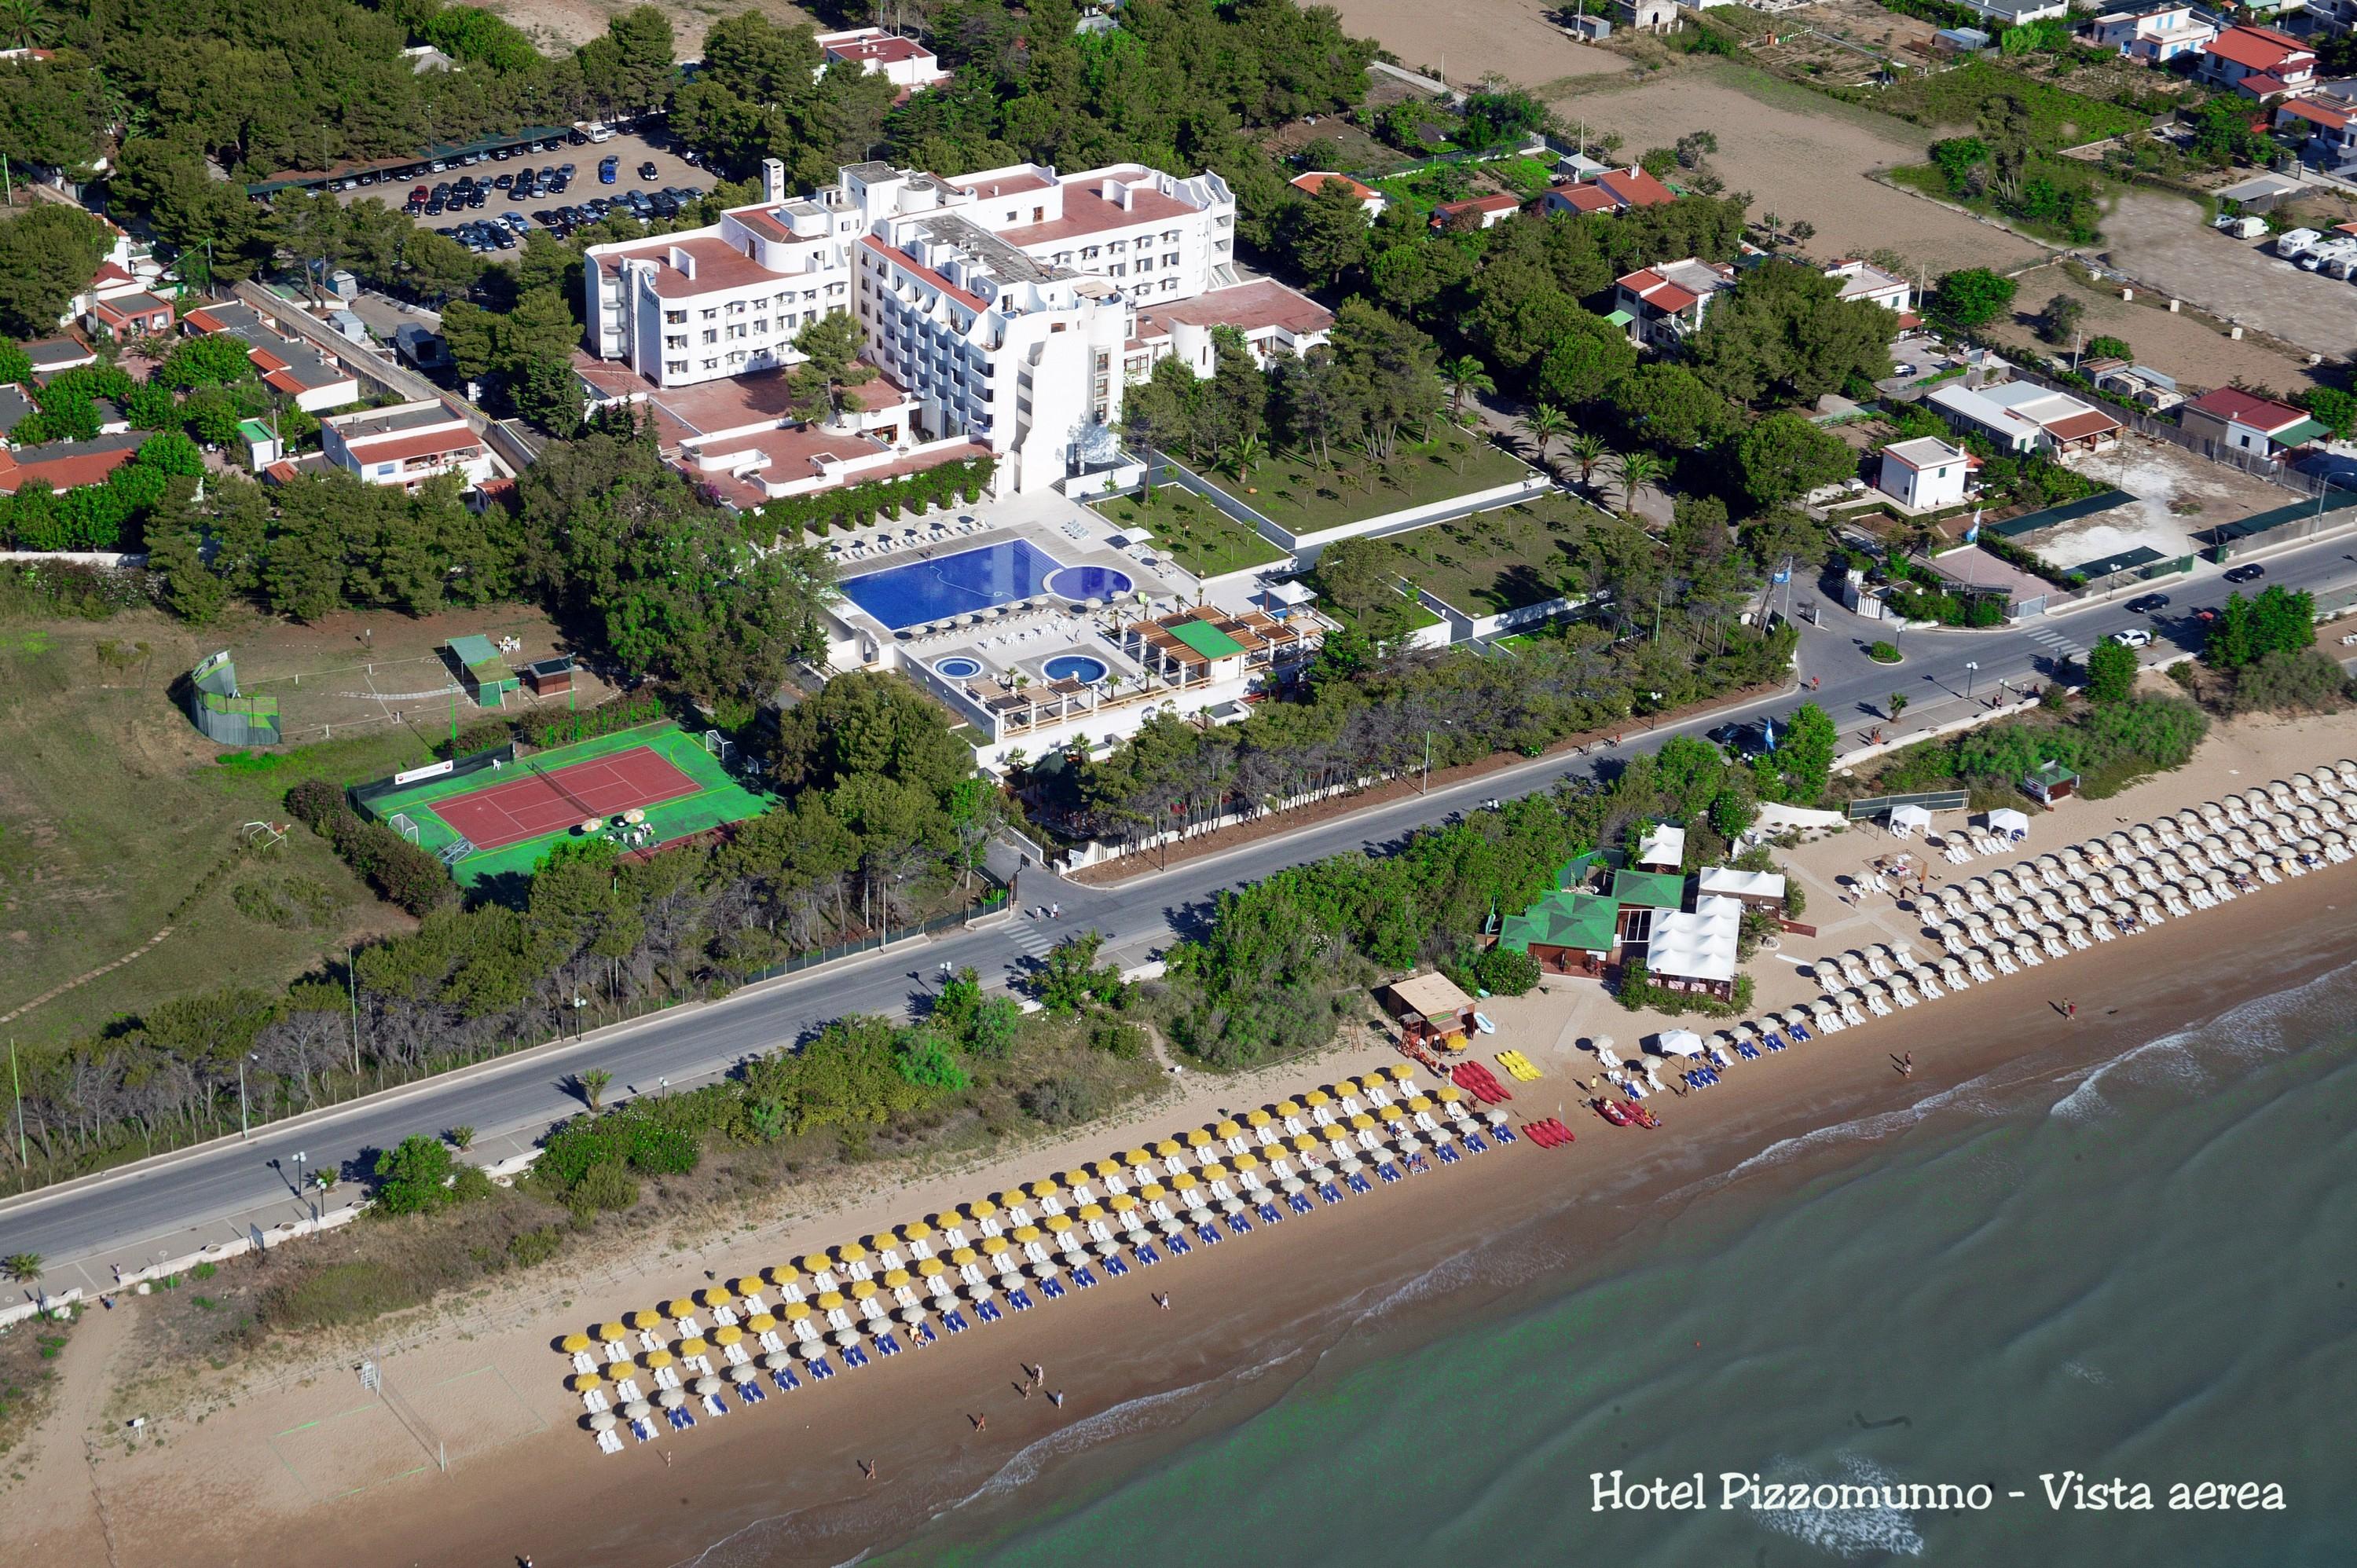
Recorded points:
(2006,822)
(1906,820)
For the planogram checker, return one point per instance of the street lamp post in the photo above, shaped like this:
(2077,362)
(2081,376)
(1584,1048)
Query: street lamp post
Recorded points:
(245,1130)
(1972,666)
(299,1158)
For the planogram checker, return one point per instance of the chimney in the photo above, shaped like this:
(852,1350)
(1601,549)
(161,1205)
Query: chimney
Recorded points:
(1111,191)
(773,179)
(684,261)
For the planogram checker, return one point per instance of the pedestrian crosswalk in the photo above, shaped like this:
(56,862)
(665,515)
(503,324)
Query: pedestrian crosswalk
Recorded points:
(1036,937)
(2060,647)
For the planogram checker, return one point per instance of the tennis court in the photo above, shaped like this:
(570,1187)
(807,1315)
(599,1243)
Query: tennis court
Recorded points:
(545,801)
(503,822)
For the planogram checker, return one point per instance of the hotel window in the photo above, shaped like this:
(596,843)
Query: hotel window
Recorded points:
(761,324)
(678,342)
(675,367)
(711,364)
(736,307)
(1146,242)
(712,335)
(711,314)
(675,317)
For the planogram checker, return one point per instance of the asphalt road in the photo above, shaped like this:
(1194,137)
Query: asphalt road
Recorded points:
(215,1192)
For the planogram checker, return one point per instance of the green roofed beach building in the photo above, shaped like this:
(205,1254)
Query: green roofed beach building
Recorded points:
(1639,896)
(1569,931)
(489,680)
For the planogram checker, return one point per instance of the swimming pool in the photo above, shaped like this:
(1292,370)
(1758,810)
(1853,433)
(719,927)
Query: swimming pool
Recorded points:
(1074,667)
(960,668)
(956,584)
(1080,583)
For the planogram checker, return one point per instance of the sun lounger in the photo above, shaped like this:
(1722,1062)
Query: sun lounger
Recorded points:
(1052,1288)
(680,1420)
(853,1356)
(888,1344)
(1473,1144)
(643,1431)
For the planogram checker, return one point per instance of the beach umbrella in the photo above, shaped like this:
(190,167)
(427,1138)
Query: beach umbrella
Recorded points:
(1074,1178)
(728,1334)
(1123,1202)
(1167,1147)
(616,1371)
(907,1314)
(795,1311)
(610,1331)
(574,1343)
(637,1409)
(1091,1211)
(749,1285)
(1245,1161)
(1213,1171)
(1231,1206)
(645,1318)
(671,1399)
(1304,1142)
(1420,1103)
(1151,1191)
(707,1385)
(851,1251)
(742,1374)
(693,1345)
(895,1278)
(1257,1118)
(915,1231)
(1316,1098)
(761,1322)
(780,1274)
(963,1255)
(1197,1138)
(994,1245)
(862,1289)
(1041,1189)
(1392,1113)
(682,1307)
(1288,1108)
(1499,1118)
(846,1337)
(581,1381)
(1136,1157)
(830,1301)
(1183,1180)
(713,1296)
(1060,1223)
(931,1267)
(1227,1130)
(1025,1233)
(656,1359)
(602,1421)
(776,1361)
(982,1209)
(1401,1072)
(1361,1121)
(1293,1184)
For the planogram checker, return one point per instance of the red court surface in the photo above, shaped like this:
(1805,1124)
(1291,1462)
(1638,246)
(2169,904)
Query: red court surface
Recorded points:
(535,804)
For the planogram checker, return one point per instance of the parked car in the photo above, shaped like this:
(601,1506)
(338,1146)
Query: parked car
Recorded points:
(2148,603)
(2250,572)
(2133,637)
(2206,614)
(599,133)
(647,169)
(605,170)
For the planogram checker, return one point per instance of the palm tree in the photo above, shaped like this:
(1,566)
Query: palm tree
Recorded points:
(22,1267)
(1547,424)
(593,1082)
(1637,470)
(1588,450)
(1248,454)
(462,1136)
(1464,375)
(23,24)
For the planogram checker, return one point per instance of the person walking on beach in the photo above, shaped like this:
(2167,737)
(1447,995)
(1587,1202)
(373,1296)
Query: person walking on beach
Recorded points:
(980,1423)
(1035,1374)
(868,1468)
(1056,1398)
(2070,1008)
(1162,1300)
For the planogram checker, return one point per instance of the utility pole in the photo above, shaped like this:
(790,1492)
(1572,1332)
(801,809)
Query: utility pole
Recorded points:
(353,989)
(24,1157)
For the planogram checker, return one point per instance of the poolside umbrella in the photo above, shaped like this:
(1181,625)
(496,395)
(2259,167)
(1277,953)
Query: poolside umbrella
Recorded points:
(707,1385)
(851,1251)
(830,1301)
(742,1374)
(581,1381)
(1401,1072)
(761,1322)
(1227,1130)
(795,1311)
(931,1267)
(895,1278)
(693,1345)
(862,1289)
(637,1409)
(574,1343)
(591,825)
(671,1399)
(645,1319)
(728,1334)
(658,1359)
(682,1307)
(1288,1108)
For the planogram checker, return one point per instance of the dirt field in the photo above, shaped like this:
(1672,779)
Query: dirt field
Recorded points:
(1463,43)
(572,22)
(1833,22)
(2180,343)
(2179,495)
(2162,240)
(1803,156)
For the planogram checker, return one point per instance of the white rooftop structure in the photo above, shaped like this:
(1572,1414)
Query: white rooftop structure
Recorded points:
(1696,946)
(1663,846)
(1726,881)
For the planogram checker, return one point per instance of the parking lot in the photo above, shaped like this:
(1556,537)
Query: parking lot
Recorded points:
(2162,241)
(630,151)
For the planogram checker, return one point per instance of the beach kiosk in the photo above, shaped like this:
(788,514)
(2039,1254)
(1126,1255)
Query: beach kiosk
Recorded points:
(1430,1011)
(2049,782)
(485,674)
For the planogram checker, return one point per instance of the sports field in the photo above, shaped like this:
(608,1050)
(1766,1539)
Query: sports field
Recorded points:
(515,813)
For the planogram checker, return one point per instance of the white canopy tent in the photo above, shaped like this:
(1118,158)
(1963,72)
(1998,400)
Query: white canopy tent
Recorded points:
(1905,820)
(2009,823)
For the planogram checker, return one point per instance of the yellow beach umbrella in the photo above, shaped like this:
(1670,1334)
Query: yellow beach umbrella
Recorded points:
(862,1289)
(1183,1180)
(574,1343)
(1304,1142)
(1227,1129)
(1102,1168)
(1091,1211)
(962,1256)
(1041,1189)
(682,1307)
(796,1311)
(1420,1103)
(1135,1157)
(915,1231)
(728,1334)
(982,1209)
(581,1380)
(713,1295)
(1025,1232)
(1151,1191)
(1361,1121)
(1060,1223)
(814,1264)
(761,1322)
(851,1251)
(930,1267)
(1256,1118)
(1392,1113)
(611,1331)
(1073,1178)
(994,1245)
(895,1278)
(1123,1202)
(1245,1161)
(658,1359)
(1288,1108)
(781,1273)
(1197,1138)
(828,1300)
(616,1371)
(1213,1171)
(693,1345)
(1316,1098)
(1401,1072)
(1168,1147)
(646,1318)
(1448,1094)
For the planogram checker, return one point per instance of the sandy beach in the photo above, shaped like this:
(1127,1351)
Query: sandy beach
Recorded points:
(264,1471)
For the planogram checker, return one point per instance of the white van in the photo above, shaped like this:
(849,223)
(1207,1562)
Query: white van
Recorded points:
(2292,243)
(597,132)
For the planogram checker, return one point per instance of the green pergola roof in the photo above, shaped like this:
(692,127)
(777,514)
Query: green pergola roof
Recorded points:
(481,660)
(1206,639)
(1563,920)
(1650,889)
(1575,870)
(2299,434)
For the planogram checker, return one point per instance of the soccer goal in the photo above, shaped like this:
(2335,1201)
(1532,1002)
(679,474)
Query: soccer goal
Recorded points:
(719,746)
(400,824)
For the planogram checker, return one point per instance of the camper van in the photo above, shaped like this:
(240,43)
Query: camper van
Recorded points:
(2243,228)
(2293,243)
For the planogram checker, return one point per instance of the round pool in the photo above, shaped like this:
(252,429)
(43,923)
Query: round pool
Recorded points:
(1075,667)
(959,669)
(1081,583)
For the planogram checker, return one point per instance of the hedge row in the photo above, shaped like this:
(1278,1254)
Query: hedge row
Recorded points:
(399,870)
(857,506)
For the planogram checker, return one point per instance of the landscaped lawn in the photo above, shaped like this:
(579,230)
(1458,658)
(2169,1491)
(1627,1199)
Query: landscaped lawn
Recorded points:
(1203,539)
(1303,497)
(1496,561)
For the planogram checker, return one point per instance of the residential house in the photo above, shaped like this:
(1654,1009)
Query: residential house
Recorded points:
(406,444)
(1633,187)
(2013,12)
(15,403)
(1647,16)
(123,316)
(1924,474)
(2155,36)
(1477,211)
(2245,422)
(2324,122)
(1864,280)
(66,465)
(1579,199)
(2260,63)
(313,378)
(904,62)
(51,356)
(2139,384)
(1662,306)
(2023,417)
(1371,201)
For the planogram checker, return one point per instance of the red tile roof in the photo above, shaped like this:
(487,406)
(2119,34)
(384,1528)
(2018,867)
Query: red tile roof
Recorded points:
(2258,48)
(1317,179)
(1587,199)
(2094,421)
(886,49)
(401,448)
(1088,212)
(2316,111)
(1636,187)
(1658,291)
(62,473)
(2247,408)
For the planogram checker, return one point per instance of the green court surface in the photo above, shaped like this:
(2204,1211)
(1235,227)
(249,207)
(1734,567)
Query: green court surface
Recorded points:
(721,797)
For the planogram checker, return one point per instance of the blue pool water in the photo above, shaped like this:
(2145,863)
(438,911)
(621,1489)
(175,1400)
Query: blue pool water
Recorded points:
(959,669)
(955,585)
(1074,667)
(1079,583)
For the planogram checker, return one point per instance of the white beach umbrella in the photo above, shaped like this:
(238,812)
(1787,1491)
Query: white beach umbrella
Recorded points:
(1680,1043)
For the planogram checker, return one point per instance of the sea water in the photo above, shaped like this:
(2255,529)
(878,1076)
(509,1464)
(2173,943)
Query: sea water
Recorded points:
(2030,1305)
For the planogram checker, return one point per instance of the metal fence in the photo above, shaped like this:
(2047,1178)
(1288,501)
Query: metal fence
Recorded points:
(991,903)
(1937,801)
(2086,506)
(459,767)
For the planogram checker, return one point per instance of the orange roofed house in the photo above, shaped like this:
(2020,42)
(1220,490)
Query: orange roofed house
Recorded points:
(2260,63)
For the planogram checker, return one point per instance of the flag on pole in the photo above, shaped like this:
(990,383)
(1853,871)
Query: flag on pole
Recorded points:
(1973,534)
(1768,733)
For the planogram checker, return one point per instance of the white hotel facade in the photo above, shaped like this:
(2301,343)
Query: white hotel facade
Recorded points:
(1010,306)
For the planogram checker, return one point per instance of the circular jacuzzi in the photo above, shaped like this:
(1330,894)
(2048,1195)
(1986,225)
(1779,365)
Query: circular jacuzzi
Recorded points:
(959,669)
(1078,667)
(1079,584)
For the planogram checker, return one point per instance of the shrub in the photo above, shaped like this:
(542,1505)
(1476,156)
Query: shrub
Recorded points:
(1123,1042)
(1883,652)
(472,1185)
(1060,1100)
(607,1187)
(413,1177)
(1504,971)
(535,1246)
(314,801)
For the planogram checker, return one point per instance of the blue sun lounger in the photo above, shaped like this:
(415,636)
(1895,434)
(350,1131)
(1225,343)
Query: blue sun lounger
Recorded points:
(1178,1243)
(819,1370)
(1113,1267)
(1019,1299)
(1388,1172)
(1082,1278)
(785,1379)
(1746,1050)
(1499,1131)
(924,1334)
(1448,1155)
(1052,1288)
(853,1356)
(987,1311)
(642,1431)
(887,1343)
(1800,1033)
(1237,1224)
(1473,1144)
(1148,1255)
(954,1321)
(1773,1041)
(1359,1183)
(1269,1214)
(1208,1234)
(680,1420)
(1327,1190)
(750,1393)
(1297,1202)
